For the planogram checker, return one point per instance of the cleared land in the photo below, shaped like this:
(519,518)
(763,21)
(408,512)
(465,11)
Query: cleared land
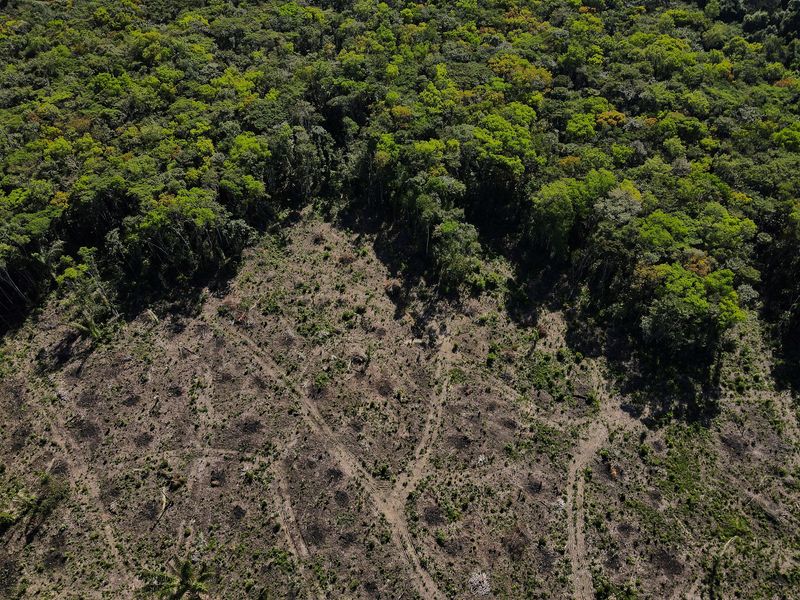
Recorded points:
(318,430)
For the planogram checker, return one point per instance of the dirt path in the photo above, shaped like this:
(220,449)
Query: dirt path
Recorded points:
(285,512)
(576,542)
(287,518)
(410,478)
(207,414)
(294,537)
(611,417)
(199,451)
(393,511)
(80,472)
(351,466)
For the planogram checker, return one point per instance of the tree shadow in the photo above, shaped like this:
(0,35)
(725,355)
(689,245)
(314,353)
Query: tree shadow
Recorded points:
(657,389)
(13,317)
(394,246)
(178,300)
(660,387)
(661,393)
(19,299)
(786,369)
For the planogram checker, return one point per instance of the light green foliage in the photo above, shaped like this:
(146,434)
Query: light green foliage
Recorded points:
(789,137)
(250,152)
(690,311)
(581,127)
(193,206)
(505,142)
(725,235)
(592,139)
(88,299)
(666,235)
(561,205)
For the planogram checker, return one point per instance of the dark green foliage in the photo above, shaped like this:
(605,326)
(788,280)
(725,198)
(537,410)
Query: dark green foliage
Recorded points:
(648,155)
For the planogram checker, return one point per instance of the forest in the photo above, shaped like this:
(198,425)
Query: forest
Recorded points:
(400,299)
(638,164)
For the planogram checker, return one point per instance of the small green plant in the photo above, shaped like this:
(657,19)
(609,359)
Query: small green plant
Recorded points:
(321,381)
(494,353)
(87,298)
(441,537)
(382,470)
(181,579)
(457,375)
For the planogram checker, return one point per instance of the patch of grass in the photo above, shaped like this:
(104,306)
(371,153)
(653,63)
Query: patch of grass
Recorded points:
(604,589)
(311,323)
(382,470)
(541,438)
(272,303)
(655,524)
(457,376)
(281,560)
(550,373)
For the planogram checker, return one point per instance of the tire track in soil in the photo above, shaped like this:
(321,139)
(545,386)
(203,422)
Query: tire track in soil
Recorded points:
(422,580)
(411,477)
(291,529)
(598,433)
(576,542)
(294,538)
(197,449)
(285,512)
(79,471)
(394,516)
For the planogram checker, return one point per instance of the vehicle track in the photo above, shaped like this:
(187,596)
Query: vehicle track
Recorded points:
(80,472)
(285,512)
(410,478)
(576,542)
(351,466)
(291,530)
(611,417)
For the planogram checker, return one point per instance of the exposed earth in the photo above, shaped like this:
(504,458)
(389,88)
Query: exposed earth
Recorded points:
(320,429)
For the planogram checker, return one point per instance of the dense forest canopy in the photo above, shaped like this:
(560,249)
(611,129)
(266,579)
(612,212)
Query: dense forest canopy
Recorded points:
(648,153)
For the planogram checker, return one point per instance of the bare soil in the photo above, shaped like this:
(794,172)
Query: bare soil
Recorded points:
(306,434)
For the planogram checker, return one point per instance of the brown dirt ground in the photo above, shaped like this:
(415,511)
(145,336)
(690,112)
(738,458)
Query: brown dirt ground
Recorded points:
(304,437)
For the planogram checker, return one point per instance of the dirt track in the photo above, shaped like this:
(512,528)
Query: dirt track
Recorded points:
(611,417)
(389,502)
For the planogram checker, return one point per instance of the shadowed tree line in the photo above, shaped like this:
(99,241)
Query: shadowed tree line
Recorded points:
(637,164)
